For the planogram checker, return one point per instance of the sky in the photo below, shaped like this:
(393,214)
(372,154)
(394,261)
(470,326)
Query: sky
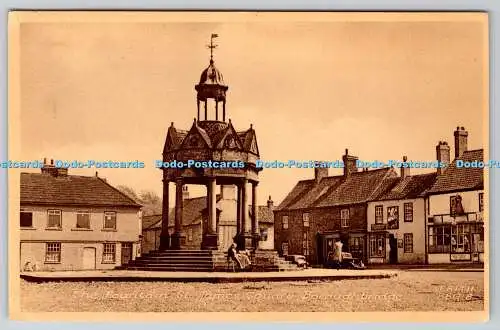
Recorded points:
(383,89)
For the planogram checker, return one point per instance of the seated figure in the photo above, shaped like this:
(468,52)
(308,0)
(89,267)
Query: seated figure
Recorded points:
(240,258)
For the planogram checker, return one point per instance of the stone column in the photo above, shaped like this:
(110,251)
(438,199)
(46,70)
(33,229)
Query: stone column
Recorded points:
(210,236)
(238,214)
(255,216)
(165,236)
(246,226)
(178,237)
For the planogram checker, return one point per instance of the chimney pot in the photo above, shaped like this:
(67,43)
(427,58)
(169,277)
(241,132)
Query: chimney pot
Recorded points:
(460,141)
(320,173)
(442,155)
(350,165)
(270,203)
(51,162)
(96,174)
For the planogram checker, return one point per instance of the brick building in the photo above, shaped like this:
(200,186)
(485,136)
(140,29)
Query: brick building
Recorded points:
(71,222)
(320,210)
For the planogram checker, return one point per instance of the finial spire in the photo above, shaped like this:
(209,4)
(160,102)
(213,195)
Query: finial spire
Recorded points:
(212,46)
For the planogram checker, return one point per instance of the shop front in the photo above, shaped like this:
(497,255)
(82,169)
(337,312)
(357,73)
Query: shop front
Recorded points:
(455,242)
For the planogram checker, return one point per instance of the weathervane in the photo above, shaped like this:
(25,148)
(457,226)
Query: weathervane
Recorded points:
(212,46)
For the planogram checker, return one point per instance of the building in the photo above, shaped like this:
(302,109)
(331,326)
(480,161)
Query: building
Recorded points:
(318,211)
(71,222)
(195,215)
(455,206)
(396,220)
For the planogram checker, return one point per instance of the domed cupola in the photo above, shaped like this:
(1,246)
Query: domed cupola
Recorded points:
(211,86)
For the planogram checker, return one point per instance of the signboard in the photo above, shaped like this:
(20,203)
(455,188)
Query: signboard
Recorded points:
(460,257)
(379,226)
(393,217)
(400,243)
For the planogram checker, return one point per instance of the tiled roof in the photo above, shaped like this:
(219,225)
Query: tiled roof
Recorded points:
(358,187)
(456,179)
(149,220)
(46,189)
(265,213)
(409,187)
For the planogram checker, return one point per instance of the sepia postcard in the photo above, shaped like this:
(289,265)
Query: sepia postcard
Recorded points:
(248,166)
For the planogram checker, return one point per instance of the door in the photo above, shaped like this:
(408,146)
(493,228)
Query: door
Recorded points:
(126,253)
(88,258)
(393,253)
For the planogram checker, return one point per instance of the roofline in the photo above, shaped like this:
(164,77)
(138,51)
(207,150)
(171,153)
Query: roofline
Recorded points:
(81,204)
(442,192)
(116,189)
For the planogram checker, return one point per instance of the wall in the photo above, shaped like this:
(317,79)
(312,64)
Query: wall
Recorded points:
(71,255)
(128,225)
(320,220)
(269,243)
(440,204)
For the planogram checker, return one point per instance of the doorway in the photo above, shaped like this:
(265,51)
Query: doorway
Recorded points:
(89,258)
(393,252)
(126,253)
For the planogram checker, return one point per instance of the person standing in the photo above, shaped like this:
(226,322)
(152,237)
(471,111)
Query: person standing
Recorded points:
(337,253)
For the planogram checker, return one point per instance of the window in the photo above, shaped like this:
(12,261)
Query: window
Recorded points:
(377,245)
(53,253)
(305,245)
(83,220)
(408,243)
(26,219)
(109,253)
(439,239)
(461,238)
(393,217)
(408,208)
(356,247)
(55,219)
(284,221)
(481,205)
(263,234)
(109,220)
(344,217)
(190,234)
(284,248)
(379,214)
(305,219)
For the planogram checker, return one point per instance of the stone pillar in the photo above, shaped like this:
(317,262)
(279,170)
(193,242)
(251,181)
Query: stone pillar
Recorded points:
(165,236)
(238,214)
(210,236)
(255,216)
(246,226)
(178,237)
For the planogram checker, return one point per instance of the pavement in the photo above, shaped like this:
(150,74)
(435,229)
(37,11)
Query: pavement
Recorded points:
(210,277)
(433,267)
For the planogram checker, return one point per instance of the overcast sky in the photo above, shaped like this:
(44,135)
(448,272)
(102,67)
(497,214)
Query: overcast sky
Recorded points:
(108,91)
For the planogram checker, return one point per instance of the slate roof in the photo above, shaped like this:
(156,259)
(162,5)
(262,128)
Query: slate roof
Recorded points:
(410,187)
(265,214)
(46,189)
(359,187)
(459,179)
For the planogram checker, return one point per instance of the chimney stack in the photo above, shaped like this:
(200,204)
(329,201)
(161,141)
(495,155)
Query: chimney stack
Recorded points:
(320,173)
(460,141)
(185,192)
(52,170)
(405,171)
(270,203)
(349,163)
(442,155)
